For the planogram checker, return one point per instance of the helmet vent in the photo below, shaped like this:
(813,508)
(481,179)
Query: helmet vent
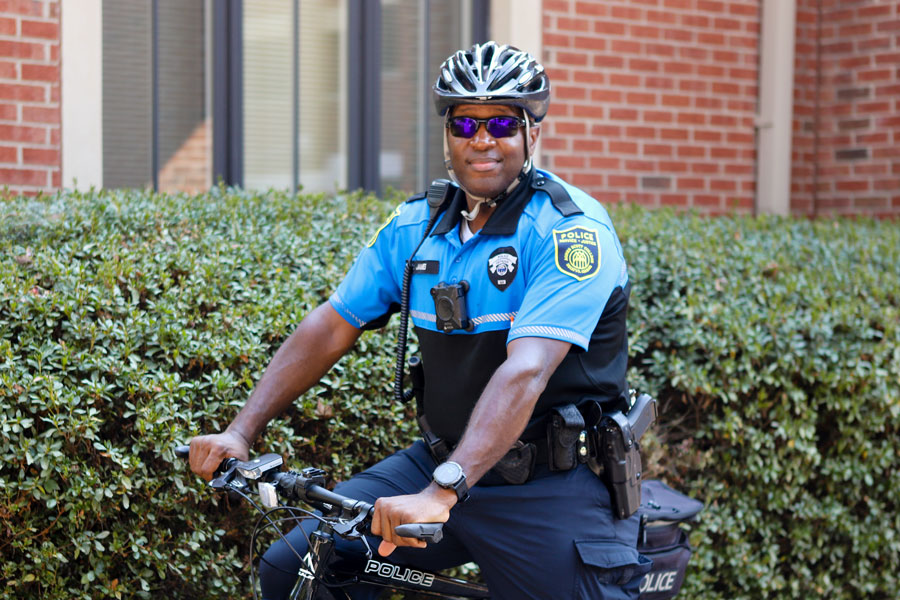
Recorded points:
(493,74)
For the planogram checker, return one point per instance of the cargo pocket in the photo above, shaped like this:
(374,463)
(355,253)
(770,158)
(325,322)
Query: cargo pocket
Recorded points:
(609,564)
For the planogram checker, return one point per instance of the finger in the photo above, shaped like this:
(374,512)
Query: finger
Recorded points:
(197,455)
(211,464)
(387,529)
(208,459)
(410,542)
(385,548)
(376,519)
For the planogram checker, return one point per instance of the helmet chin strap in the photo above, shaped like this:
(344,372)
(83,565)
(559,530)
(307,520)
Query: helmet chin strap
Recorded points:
(483,200)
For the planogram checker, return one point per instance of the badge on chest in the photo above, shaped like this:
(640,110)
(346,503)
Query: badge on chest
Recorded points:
(503,265)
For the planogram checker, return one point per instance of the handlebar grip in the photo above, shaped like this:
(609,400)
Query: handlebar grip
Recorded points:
(429,532)
(184,452)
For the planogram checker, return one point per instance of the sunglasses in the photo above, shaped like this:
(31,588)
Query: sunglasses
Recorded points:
(498,127)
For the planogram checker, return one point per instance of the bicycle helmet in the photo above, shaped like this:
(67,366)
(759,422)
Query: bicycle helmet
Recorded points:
(493,74)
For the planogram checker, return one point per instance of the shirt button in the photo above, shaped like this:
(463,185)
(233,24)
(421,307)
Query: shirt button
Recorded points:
(458,260)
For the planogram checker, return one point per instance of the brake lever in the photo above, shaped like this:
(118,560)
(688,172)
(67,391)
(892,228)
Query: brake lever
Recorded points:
(227,476)
(348,530)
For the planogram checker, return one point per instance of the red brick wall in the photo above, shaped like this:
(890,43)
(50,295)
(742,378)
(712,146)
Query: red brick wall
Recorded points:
(805,143)
(847,108)
(29,96)
(654,100)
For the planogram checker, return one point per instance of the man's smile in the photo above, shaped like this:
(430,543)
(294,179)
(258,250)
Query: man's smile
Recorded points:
(482,164)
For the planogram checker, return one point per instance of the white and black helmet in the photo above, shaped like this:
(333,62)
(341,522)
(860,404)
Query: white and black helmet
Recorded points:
(493,74)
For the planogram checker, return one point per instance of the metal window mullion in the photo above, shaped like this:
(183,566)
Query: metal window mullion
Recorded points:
(295,102)
(154,94)
(208,45)
(228,138)
(364,89)
(425,95)
(354,92)
(480,24)
(236,93)
(372,105)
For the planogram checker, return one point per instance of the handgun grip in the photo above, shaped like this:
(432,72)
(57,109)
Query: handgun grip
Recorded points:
(642,415)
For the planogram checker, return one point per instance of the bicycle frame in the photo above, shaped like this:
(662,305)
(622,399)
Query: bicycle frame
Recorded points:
(325,573)
(335,573)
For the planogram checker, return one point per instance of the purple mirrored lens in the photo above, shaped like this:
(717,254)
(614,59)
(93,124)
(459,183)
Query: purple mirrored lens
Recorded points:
(464,127)
(502,126)
(498,127)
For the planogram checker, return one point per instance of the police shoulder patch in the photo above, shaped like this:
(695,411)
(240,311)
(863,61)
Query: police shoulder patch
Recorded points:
(577,251)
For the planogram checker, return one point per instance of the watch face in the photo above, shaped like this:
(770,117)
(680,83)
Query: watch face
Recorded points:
(447,474)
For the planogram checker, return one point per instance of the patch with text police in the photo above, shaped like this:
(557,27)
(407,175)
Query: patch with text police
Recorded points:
(577,252)
(503,265)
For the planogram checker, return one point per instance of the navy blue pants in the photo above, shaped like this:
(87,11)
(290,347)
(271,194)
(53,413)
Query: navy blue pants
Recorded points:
(552,537)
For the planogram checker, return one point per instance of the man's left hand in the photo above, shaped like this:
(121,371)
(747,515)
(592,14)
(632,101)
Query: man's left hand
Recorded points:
(431,505)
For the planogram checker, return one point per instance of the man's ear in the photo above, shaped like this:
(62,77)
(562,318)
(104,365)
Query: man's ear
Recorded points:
(534,132)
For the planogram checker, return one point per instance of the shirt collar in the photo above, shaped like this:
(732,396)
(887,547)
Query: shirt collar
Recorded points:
(504,219)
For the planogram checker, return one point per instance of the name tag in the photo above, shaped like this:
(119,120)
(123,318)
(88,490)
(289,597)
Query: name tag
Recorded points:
(425,267)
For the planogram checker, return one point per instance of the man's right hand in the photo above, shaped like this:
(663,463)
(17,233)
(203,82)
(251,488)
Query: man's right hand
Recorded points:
(208,451)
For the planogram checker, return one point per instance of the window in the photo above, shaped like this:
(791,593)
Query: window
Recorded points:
(417,37)
(294,81)
(314,94)
(156,129)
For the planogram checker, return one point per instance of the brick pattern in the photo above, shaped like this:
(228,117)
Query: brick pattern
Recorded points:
(29,96)
(189,169)
(653,103)
(847,108)
(654,100)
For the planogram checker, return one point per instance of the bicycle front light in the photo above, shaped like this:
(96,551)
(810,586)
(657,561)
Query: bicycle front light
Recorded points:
(255,468)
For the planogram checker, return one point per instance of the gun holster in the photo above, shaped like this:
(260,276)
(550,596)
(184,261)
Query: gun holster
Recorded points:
(616,452)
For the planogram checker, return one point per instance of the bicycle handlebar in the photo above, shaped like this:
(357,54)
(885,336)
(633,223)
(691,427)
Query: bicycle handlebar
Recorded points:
(307,486)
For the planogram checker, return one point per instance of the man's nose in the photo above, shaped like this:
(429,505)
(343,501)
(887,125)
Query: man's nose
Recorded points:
(482,136)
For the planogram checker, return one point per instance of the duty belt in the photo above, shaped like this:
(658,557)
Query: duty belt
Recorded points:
(576,434)
(565,446)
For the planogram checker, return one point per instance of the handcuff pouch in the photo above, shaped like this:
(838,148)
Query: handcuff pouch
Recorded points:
(517,465)
(563,429)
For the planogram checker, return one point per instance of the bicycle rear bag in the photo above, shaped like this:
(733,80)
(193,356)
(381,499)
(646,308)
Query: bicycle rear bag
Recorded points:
(662,539)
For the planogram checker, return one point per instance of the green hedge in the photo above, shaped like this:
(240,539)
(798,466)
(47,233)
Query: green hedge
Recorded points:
(130,321)
(773,346)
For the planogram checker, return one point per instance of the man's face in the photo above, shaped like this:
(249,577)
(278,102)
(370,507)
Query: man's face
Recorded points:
(485,165)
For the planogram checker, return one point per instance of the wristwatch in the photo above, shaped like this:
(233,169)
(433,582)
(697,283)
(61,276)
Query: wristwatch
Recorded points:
(450,476)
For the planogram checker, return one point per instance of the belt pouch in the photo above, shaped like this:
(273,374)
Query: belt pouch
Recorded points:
(563,428)
(517,465)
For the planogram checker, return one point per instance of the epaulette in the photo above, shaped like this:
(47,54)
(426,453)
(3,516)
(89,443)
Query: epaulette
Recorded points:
(416,197)
(558,195)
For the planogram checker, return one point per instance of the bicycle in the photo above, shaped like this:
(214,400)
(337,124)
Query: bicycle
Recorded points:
(337,515)
(324,573)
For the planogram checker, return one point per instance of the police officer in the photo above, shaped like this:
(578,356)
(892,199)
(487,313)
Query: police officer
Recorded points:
(518,295)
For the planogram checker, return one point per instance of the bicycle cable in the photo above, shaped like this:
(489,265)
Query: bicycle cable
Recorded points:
(265,515)
(270,523)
